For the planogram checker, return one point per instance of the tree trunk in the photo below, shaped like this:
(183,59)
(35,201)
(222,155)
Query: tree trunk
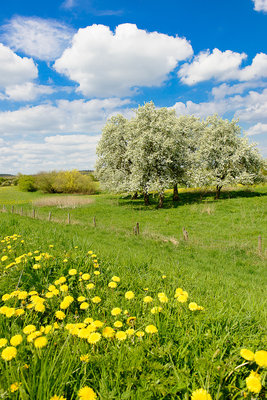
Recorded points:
(175,196)
(218,192)
(134,196)
(161,199)
(146,198)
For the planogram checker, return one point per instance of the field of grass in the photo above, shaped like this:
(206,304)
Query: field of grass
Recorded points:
(219,266)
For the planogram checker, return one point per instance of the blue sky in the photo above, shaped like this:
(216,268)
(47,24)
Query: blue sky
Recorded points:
(66,66)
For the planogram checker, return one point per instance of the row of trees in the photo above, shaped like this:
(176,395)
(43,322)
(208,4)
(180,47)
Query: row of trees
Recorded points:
(58,182)
(155,150)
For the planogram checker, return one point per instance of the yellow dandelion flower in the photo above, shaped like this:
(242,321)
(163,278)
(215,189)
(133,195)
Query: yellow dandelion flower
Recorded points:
(121,335)
(16,340)
(97,324)
(40,342)
(84,305)
(72,272)
(81,299)
(112,285)
(96,299)
(15,386)
(51,288)
(163,298)
(86,393)
(90,286)
(140,334)
(84,358)
(183,299)
(94,337)
(4,258)
(201,394)
(115,279)
(97,272)
(193,306)
(129,295)
(60,315)
(88,320)
(10,312)
(64,288)
(33,335)
(156,310)
(164,276)
(118,324)
(253,382)
(147,299)
(6,297)
(62,279)
(55,292)
(247,354)
(56,397)
(9,353)
(151,329)
(3,342)
(39,307)
(261,358)
(115,311)
(86,277)
(36,266)
(130,331)
(19,312)
(29,329)
(49,295)
(108,332)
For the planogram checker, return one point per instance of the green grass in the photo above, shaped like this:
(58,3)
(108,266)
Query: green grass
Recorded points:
(219,266)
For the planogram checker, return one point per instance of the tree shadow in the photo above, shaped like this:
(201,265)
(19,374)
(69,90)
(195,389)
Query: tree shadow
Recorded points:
(186,198)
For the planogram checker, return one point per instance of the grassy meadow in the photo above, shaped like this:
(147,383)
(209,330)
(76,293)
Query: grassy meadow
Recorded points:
(196,303)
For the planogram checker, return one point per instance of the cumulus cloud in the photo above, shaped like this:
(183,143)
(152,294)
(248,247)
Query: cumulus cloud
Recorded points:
(224,90)
(15,70)
(260,5)
(104,63)
(44,39)
(257,129)
(52,153)
(222,66)
(26,92)
(76,116)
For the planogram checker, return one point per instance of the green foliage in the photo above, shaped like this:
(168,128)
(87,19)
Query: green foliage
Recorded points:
(219,267)
(66,182)
(26,183)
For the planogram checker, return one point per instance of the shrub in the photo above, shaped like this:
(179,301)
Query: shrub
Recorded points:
(26,183)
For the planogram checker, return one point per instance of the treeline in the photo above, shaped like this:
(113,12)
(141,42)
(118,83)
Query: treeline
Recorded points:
(156,150)
(58,182)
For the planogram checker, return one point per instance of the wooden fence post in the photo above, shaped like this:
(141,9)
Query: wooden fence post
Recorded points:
(12,209)
(49,216)
(68,220)
(185,234)
(21,211)
(94,222)
(137,228)
(33,213)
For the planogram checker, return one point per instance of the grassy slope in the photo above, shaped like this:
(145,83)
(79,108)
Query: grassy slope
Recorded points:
(219,265)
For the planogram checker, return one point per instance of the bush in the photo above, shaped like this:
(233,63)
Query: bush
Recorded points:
(26,183)
(66,182)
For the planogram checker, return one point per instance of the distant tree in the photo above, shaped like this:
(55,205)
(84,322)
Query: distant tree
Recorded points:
(113,166)
(223,157)
(156,150)
(26,183)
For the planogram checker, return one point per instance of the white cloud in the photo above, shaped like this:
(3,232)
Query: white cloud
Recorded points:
(218,65)
(112,64)
(54,152)
(76,116)
(15,70)
(257,129)
(260,5)
(68,4)
(26,92)
(224,90)
(40,38)
(222,66)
